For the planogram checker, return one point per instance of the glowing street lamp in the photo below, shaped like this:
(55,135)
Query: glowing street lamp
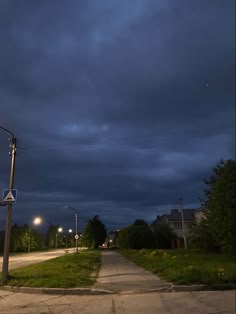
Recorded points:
(37,221)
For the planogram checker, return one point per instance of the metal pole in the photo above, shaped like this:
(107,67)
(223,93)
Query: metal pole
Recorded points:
(9,214)
(76,226)
(76,229)
(182,218)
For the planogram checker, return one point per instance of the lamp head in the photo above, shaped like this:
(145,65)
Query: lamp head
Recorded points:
(37,221)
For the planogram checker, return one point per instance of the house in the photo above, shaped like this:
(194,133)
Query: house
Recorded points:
(175,221)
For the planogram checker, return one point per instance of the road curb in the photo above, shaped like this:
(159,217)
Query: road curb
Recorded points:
(92,291)
(57,291)
(189,288)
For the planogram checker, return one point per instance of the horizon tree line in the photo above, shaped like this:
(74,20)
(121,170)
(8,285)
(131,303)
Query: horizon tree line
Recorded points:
(215,232)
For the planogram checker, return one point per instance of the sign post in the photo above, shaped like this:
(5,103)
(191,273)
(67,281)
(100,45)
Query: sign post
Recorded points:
(9,195)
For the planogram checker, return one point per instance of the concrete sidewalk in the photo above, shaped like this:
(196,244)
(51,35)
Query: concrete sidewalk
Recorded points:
(117,274)
(201,302)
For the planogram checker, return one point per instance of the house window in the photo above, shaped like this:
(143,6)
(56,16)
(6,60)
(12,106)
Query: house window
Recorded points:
(178,225)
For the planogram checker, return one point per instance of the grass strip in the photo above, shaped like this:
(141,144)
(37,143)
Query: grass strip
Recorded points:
(68,271)
(186,267)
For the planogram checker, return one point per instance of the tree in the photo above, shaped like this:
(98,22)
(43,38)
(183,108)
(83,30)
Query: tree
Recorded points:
(94,233)
(51,236)
(136,236)
(123,238)
(220,207)
(20,239)
(163,235)
(140,237)
(201,237)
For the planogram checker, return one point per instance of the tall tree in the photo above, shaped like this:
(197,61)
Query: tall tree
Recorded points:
(220,206)
(123,238)
(136,236)
(20,239)
(163,235)
(52,236)
(94,233)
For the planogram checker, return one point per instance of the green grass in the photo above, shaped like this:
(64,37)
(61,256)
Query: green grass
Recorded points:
(68,271)
(186,267)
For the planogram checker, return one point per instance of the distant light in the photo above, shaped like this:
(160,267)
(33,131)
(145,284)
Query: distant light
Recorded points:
(110,240)
(60,229)
(70,230)
(37,221)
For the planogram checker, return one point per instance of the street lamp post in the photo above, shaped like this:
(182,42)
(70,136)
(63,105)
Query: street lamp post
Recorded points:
(76,226)
(9,209)
(58,230)
(36,221)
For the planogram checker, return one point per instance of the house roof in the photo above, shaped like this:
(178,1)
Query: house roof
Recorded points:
(175,215)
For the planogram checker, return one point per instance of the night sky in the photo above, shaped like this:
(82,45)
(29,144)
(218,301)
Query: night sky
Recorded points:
(118,107)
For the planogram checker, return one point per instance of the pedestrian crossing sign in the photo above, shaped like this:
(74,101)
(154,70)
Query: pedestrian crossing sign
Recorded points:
(9,196)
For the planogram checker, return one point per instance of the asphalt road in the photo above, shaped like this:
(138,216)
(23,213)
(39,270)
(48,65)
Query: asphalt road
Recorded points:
(16,261)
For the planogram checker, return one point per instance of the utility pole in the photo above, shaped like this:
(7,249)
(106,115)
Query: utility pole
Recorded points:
(76,230)
(76,225)
(182,218)
(9,210)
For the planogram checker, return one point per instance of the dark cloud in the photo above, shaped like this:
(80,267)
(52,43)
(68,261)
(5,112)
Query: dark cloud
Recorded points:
(118,107)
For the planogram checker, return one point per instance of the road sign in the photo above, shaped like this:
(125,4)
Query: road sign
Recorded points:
(76,237)
(9,196)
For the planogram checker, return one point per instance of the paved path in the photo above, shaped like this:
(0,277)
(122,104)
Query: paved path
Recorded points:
(117,274)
